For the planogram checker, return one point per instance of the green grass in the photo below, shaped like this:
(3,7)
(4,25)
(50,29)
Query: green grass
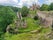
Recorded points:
(31,25)
(45,30)
(28,36)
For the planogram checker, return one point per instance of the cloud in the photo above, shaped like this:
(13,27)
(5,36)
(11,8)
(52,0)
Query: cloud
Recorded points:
(48,1)
(9,2)
(20,3)
(27,2)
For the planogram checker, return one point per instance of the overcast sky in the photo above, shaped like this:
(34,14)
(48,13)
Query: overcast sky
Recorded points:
(20,3)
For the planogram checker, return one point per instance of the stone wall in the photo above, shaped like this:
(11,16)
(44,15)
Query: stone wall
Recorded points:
(46,17)
(21,22)
(34,7)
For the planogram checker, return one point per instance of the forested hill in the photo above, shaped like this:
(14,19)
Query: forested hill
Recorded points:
(15,9)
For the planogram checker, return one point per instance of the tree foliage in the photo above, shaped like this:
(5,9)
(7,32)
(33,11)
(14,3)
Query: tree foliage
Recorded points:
(6,17)
(24,11)
(15,9)
(44,7)
(51,6)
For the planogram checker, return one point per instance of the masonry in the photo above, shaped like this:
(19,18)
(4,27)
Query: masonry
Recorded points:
(46,17)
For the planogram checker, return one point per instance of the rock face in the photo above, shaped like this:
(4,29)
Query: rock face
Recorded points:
(11,30)
(34,7)
(21,22)
(24,24)
(8,28)
(46,18)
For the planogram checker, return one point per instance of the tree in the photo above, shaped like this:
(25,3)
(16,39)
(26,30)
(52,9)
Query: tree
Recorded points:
(44,7)
(24,11)
(15,9)
(6,17)
(50,7)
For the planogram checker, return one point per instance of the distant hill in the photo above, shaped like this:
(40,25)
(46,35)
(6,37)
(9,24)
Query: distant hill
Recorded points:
(15,9)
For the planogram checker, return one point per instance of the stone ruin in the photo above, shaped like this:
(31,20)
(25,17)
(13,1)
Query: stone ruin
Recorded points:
(11,30)
(34,7)
(20,22)
(45,17)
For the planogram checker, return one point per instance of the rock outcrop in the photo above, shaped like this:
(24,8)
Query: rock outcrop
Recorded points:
(34,7)
(19,23)
(45,17)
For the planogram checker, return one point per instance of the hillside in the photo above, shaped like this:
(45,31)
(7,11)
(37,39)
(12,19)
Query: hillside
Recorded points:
(25,24)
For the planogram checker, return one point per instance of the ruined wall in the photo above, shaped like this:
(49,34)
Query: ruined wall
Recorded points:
(19,23)
(22,22)
(46,17)
(34,7)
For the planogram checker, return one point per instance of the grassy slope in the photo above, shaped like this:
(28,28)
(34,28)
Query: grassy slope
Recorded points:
(28,35)
(31,25)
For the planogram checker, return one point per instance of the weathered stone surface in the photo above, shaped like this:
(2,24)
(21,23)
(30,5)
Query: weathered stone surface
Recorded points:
(34,7)
(24,24)
(19,15)
(20,22)
(45,17)
(8,28)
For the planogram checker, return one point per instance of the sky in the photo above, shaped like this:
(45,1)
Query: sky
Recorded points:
(20,3)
